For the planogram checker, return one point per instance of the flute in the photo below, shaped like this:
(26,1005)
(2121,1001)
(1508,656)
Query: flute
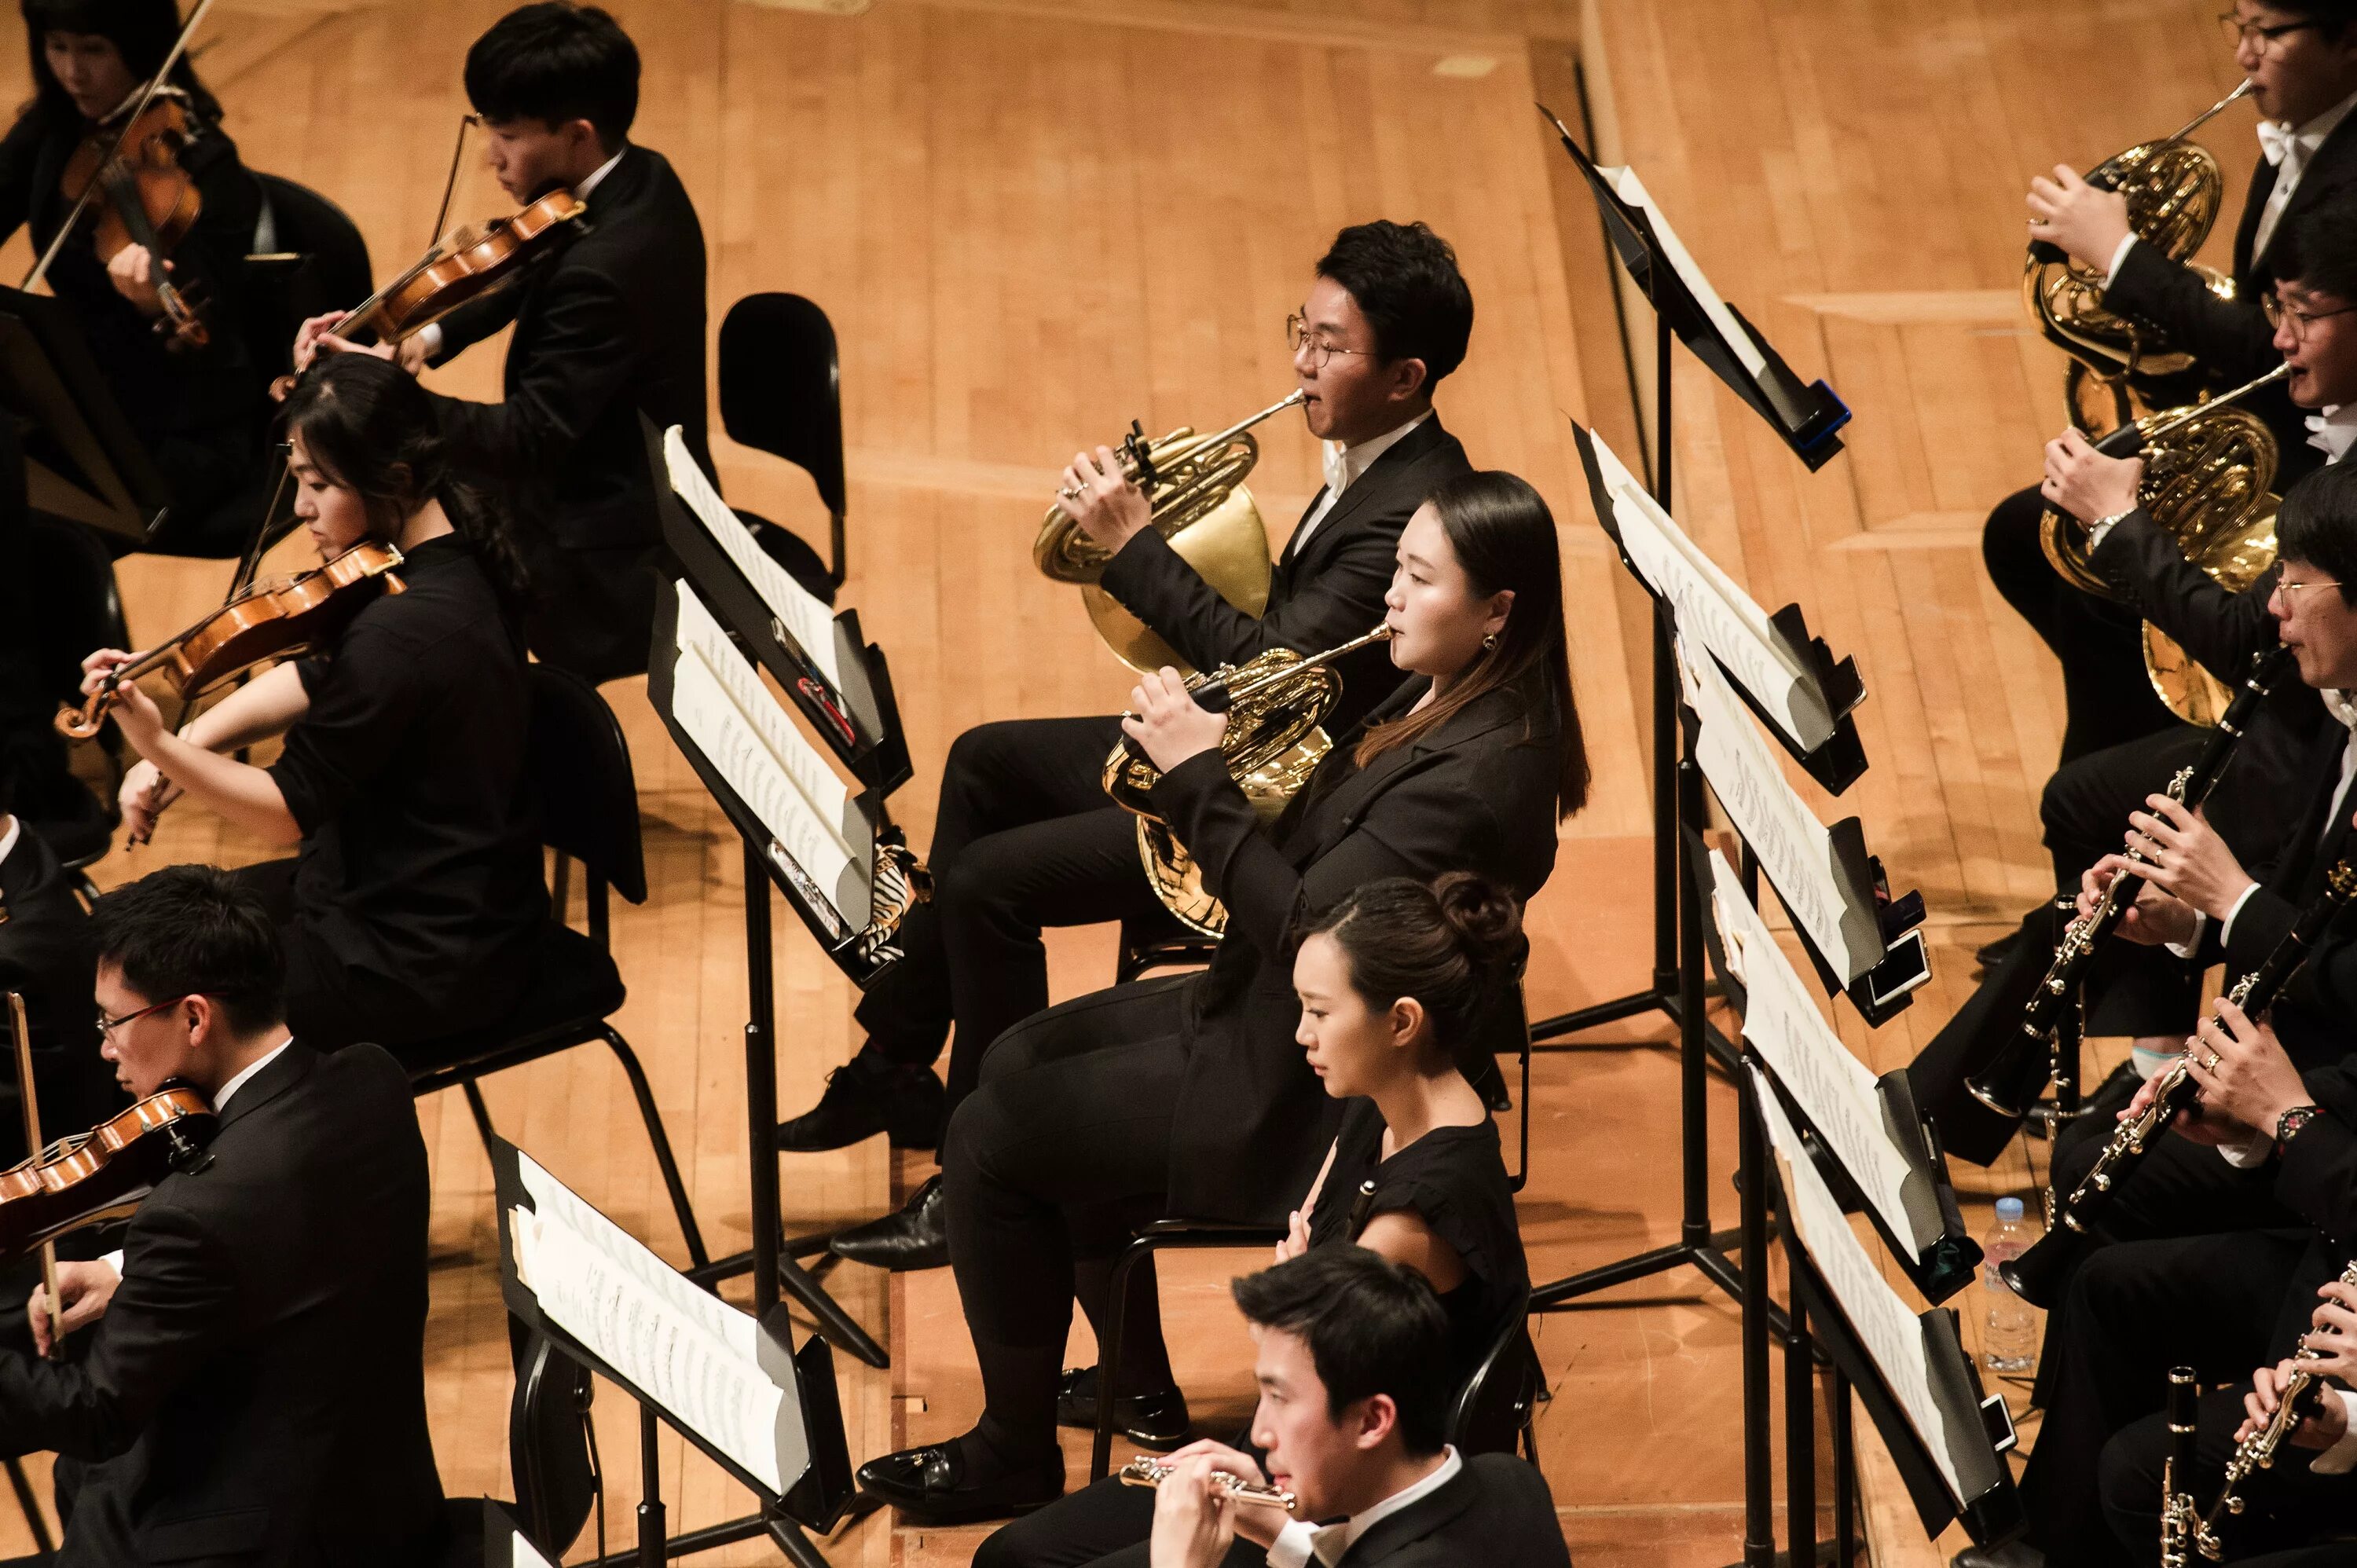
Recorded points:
(1144,1471)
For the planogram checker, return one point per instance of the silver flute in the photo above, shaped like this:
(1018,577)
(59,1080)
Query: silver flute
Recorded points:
(1145,1471)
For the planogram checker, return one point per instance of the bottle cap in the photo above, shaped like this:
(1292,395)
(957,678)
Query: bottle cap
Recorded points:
(2009,1209)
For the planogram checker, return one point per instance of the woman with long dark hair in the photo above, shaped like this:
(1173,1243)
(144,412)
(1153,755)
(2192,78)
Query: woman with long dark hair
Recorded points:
(1189,1096)
(414,894)
(201,411)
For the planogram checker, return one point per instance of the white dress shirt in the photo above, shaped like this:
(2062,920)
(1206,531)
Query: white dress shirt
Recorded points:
(221,1104)
(430,337)
(1301,1541)
(8,839)
(1343,466)
(2291,150)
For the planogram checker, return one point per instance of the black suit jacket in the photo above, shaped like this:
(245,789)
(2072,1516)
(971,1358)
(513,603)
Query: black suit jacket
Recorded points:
(255,1393)
(46,955)
(1476,794)
(2231,339)
(610,327)
(1325,593)
(1496,1509)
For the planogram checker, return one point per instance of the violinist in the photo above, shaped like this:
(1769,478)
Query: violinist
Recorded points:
(252,1385)
(610,327)
(415,892)
(201,411)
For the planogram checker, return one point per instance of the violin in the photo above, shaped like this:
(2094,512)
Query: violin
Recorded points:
(102,1174)
(274,618)
(148,199)
(468,263)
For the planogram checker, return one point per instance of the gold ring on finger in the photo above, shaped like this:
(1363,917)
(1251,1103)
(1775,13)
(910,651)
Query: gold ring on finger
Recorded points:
(2210,1062)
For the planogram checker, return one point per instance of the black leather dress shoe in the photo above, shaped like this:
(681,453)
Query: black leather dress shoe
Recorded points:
(914,1237)
(928,1486)
(1157,1420)
(864,1099)
(2005,1554)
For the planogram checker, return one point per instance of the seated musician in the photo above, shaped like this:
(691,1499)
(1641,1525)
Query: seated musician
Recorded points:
(1188,1095)
(2144,993)
(44,957)
(2300,57)
(1349,1356)
(1024,836)
(215,1409)
(1390,979)
(411,902)
(611,329)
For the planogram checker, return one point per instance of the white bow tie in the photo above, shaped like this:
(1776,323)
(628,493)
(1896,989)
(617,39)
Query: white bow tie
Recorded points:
(2276,141)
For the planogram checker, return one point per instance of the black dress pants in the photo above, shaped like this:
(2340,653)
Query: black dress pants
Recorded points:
(2219,1304)
(1062,1150)
(2106,697)
(1023,838)
(1106,1525)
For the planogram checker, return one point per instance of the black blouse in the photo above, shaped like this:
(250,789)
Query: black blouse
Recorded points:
(1454,1178)
(420,860)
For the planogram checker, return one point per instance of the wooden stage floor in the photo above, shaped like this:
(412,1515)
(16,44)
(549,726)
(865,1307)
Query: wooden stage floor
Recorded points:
(1034,219)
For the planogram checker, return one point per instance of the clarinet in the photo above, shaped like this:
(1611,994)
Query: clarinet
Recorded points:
(2037,1269)
(2180,1516)
(2257,1451)
(2017,1072)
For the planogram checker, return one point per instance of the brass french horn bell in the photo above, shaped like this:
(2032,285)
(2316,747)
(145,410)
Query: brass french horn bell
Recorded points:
(1196,486)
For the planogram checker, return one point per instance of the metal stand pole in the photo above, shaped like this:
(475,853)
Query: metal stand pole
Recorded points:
(1800,1436)
(1759,1476)
(651,1507)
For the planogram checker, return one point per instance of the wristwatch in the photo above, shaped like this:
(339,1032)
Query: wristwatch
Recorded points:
(2102,526)
(2288,1124)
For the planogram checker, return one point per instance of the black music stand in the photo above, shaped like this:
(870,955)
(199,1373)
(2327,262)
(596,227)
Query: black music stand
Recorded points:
(815,1501)
(81,460)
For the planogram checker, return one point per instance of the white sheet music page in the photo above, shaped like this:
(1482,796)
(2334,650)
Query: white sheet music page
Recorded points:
(1783,1025)
(523,1553)
(686,1349)
(1630,190)
(718,698)
(804,616)
(1891,1332)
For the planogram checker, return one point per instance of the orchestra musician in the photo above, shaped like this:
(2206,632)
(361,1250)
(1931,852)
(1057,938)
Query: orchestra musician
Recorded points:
(411,904)
(2300,57)
(613,327)
(1188,1095)
(1023,837)
(249,1382)
(1394,982)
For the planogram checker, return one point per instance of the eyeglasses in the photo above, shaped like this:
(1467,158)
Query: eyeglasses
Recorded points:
(2265,34)
(2301,320)
(2291,590)
(1297,337)
(107,1026)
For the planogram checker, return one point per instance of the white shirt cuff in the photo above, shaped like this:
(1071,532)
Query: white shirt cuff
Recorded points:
(114,1261)
(2192,944)
(429,337)
(2109,273)
(2098,529)
(2226,930)
(2251,1151)
(1292,1547)
(2341,1457)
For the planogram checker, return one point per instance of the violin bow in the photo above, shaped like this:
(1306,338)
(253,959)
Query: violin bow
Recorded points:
(449,188)
(29,1101)
(155,84)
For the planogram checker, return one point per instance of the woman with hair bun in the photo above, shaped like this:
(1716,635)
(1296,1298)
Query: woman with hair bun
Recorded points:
(414,900)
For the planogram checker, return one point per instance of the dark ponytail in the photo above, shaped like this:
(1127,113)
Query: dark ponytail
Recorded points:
(368,426)
(1455,945)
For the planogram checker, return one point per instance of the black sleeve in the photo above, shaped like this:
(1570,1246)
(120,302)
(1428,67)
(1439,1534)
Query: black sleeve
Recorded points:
(2317,1177)
(2221,630)
(363,703)
(19,151)
(2231,338)
(581,361)
(1156,583)
(476,320)
(216,246)
(176,1308)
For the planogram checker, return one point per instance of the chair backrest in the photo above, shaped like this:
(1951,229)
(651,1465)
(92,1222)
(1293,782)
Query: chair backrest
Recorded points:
(579,766)
(76,608)
(780,387)
(1494,1406)
(333,274)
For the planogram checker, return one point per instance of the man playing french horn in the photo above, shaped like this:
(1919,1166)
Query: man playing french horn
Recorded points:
(1024,836)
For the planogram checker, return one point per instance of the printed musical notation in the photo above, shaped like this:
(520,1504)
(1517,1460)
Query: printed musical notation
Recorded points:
(805,619)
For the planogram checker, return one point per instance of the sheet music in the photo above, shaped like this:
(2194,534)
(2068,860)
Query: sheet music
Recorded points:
(806,620)
(1891,1333)
(1783,1025)
(522,1554)
(1708,604)
(717,697)
(1793,845)
(1630,190)
(686,1349)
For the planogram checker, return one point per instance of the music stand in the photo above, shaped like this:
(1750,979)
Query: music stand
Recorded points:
(81,460)
(605,1301)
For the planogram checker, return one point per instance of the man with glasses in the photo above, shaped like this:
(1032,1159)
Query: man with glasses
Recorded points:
(1024,837)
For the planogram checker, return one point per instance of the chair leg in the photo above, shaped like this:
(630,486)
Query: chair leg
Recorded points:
(1523,1156)
(662,1142)
(481,1111)
(1109,1353)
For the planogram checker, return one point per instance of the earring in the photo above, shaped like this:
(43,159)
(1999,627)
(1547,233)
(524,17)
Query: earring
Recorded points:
(1490,641)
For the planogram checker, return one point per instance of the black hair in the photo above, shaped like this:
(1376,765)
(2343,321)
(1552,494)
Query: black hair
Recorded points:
(1452,944)
(1404,278)
(195,931)
(2318,249)
(2334,15)
(1372,1328)
(2317,523)
(368,426)
(1503,537)
(142,32)
(555,62)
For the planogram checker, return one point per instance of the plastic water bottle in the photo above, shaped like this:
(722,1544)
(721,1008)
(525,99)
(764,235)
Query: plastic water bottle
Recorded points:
(2009,1329)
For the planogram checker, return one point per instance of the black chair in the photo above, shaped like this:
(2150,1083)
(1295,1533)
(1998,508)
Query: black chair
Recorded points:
(77,611)
(579,772)
(1160,942)
(308,258)
(781,393)
(1496,1409)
